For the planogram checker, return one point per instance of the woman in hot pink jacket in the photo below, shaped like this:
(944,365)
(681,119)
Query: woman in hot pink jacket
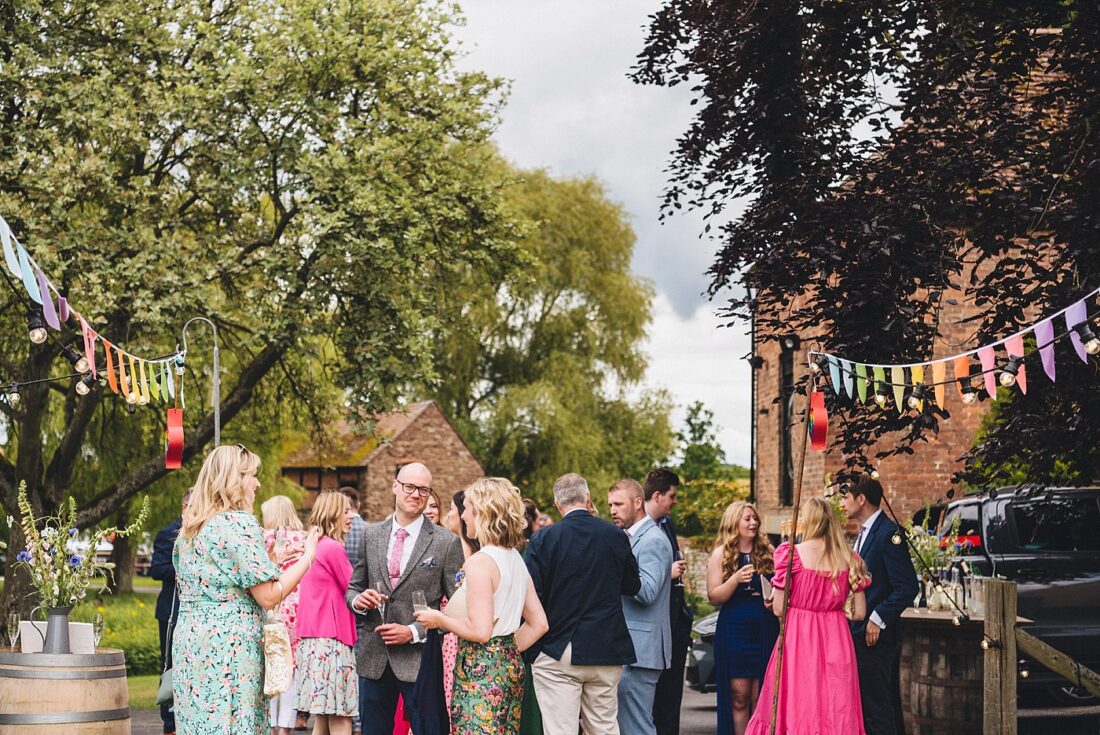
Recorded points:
(329,686)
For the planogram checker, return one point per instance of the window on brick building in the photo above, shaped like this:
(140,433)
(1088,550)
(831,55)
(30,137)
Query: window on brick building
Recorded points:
(786,416)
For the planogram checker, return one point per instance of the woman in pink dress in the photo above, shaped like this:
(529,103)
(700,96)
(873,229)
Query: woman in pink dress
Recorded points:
(819,687)
(285,541)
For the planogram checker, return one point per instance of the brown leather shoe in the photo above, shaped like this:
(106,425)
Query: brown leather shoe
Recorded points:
(301,721)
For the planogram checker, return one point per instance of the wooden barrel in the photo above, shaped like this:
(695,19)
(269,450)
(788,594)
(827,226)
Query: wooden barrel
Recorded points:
(941,677)
(44,694)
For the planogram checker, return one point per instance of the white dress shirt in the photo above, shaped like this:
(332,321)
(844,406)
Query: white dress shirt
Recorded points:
(864,532)
(413,529)
(634,529)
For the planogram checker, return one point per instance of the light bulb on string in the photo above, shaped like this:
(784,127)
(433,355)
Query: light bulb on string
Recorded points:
(880,397)
(13,396)
(969,395)
(76,359)
(131,398)
(1009,371)
(84,385)
(874,474)
(818,365)
(36,326)
(1088,337)
(142,399)
(915,397)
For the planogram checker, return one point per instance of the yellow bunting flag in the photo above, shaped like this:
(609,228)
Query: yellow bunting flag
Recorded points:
(897,377)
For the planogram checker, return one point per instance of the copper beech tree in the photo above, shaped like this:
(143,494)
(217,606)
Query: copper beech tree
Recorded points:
(892,156)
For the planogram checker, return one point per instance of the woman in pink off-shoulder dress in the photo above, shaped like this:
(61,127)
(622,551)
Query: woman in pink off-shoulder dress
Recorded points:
(819,688)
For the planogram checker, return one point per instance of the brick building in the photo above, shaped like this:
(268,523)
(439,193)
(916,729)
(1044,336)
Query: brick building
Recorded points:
(910,480)
(368,460)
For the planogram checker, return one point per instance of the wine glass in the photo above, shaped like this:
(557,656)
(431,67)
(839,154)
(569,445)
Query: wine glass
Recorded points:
(420,602)
(13,628)
(280,544)
(97,628)
(382,605)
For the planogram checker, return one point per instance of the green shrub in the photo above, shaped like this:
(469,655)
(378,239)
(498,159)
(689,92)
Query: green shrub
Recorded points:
(129,624)
(702,502)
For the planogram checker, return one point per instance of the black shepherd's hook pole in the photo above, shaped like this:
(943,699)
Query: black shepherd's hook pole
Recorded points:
(790,559)
(215,388)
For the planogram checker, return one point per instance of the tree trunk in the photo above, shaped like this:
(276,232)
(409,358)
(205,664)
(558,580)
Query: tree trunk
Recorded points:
(18,593)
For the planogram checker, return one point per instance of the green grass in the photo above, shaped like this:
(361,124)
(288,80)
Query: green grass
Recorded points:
(129,624)
(143,691)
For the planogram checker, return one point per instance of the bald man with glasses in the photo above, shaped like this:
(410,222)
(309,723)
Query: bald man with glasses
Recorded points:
(400,555)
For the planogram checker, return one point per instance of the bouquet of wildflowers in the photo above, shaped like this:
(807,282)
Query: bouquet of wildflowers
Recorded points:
(59,573)
(929,549)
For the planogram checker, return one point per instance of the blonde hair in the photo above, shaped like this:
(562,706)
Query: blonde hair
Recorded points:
(729,540)
(500,518)
(220,487)
(817,519)
(278,512)
(329,512)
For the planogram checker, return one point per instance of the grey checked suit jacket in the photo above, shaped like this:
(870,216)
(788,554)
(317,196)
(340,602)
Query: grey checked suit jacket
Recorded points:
(436,558)
(647,613)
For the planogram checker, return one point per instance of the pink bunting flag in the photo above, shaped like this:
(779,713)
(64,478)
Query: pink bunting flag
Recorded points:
(988,357)
(1015,348)
(63,310)
(89,344)
(48,309)
(1044,338)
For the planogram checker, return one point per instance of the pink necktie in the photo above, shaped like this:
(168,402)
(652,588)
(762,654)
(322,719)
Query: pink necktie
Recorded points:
(395,556)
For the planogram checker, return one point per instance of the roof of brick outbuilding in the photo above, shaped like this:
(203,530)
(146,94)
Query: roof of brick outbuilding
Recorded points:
(354,446)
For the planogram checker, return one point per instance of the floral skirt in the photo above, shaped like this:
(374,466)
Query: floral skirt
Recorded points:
(327,681)
(488,689)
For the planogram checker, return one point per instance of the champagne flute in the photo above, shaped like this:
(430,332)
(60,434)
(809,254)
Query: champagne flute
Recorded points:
(13,628)
(280,544)
(420,602)
(382,605)
(97,628)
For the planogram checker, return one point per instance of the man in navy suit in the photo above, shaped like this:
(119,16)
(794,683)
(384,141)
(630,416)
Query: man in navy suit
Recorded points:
(161,567)
(893,586)
(581,568)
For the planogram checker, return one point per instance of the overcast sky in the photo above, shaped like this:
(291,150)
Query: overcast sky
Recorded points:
(573,111)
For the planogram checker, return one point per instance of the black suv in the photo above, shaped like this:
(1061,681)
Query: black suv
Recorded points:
(1048,541)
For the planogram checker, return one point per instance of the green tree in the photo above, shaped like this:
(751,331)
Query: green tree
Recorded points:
(702,455)
(313,176)
(536,366)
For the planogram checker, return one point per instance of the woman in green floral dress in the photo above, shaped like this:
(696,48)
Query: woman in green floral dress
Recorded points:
(225,579)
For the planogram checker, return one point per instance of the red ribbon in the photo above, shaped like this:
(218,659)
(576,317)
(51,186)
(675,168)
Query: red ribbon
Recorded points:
(819,421)
(173,458)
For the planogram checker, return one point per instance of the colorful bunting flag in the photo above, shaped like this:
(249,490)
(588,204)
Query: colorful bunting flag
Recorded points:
(939,379)
(861,382)
(1044,339)
(988,358)
(1014,346)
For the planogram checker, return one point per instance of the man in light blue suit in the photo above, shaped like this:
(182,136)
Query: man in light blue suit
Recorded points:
(647,613)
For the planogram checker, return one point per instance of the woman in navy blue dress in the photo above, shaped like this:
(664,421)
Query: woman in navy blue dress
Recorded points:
(747,630)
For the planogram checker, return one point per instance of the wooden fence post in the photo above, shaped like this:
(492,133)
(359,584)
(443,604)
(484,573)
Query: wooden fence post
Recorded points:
(1000,658)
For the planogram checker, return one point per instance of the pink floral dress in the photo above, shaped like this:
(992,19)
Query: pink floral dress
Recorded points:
(293,547)
(217,652)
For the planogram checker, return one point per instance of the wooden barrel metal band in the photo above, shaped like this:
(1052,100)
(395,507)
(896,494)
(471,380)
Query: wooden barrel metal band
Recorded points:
(61,674)
(64,718)
(69,659)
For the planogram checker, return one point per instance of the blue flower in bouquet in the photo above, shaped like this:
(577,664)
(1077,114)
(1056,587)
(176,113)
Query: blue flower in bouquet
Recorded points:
(459,576)
(23,556)
(75,560)
(72,532)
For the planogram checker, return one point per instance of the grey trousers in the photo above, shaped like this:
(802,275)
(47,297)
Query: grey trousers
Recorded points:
(637,688)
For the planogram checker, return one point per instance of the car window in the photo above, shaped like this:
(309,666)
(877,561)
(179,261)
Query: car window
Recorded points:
(1057,523)
(970,527)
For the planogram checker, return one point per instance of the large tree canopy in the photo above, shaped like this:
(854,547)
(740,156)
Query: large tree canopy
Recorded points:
(893,155)
(311,175)
(537,367)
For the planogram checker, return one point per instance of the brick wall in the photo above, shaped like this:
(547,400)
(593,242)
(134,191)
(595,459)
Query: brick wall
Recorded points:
(432,440)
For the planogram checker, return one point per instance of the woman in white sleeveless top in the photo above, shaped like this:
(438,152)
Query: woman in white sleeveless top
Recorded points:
(495,613)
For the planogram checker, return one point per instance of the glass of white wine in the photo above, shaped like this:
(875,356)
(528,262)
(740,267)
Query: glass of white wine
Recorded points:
(420,602)
(97,628)
(13,628)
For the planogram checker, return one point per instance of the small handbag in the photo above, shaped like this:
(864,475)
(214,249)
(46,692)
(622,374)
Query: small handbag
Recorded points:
(278,664)
(164,691)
